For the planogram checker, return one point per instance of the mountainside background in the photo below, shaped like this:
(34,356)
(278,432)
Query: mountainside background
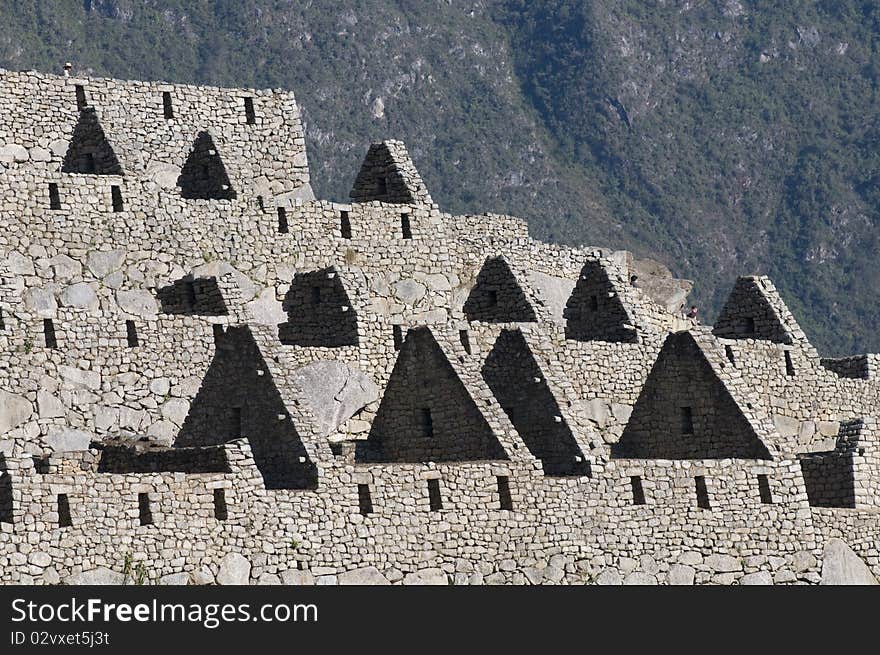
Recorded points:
(722,137)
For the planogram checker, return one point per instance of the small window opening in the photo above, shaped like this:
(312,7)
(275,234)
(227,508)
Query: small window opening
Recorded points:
(638,491)
(365,501)
(236,423)
(381,186)
(465,339)
(504,496)
(49,333)
(144,511)
(283,228)
(88,163)
(260,203)
(80,97)
(2,324)
(218,333)
(167,107)
(64,518)
(434,495)
(687,420)
(397,331)
(116,197)
(405,226)
(702,492)
(594,303)
(54,197)
(764,489)
(220,511)
(789,365)
(728,350)
(345,225)
(492,297)
(249,114)
(316,295)
(749,325)
(131,334)
(427,422)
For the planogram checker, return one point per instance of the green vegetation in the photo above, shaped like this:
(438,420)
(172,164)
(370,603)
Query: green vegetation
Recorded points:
(724,137)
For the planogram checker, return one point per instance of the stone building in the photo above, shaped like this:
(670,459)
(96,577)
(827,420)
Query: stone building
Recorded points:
(207,375)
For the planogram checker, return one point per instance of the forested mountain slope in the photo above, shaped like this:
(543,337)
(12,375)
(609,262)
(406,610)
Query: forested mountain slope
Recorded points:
(722,137)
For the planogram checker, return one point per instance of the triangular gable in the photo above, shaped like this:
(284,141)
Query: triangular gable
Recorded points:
(755,310)
(515,378)
(497,297)
(686,411)
(595,311)
(388,174)
(427,413)
(89,152)
(204,175)
(238,398)
(319,311)
(193,296)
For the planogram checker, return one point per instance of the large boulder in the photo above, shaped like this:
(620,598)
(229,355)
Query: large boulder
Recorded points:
(334,392)
(137,303)
(98,576)
(103,262)
(81,296)
(369,575)
(841,566)
(432,576)
(553,292)
(235,569)
(68,440)
(14,410)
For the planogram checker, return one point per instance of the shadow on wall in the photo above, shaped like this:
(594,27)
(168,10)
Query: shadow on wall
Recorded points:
(594,311)
(515,378)
(497,297)
(684,411)
(90,152)
(238,399)
(203,176)
(829,479)
(426,413)
(121,459)
(319,312)
(189,296)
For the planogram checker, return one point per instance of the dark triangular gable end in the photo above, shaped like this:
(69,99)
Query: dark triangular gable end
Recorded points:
(426,413)
(380,178)
(685,412)
(238,399)
(319,311)
(516,380)
(748,314)
(89,152)
(191,296)
(204,176)
(594,311)
(497,297)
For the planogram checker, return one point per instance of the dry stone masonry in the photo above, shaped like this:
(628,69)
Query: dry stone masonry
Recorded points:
(209,376)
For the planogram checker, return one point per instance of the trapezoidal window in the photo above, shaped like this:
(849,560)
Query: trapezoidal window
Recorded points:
(397,333)
(427,423)
(789,365)
(54,197)
(283,227)
(405,227)
(505,500)
(381,185)
(81,102)
(131,334)
(249,115)
(64,518)
(434,498)
(687,420)
(220,511)
(465,339)
(764,489)
(702,492)
(638,492)
(49,333)
(145,512)
(116,198)
(748,326)
(365,499)
(167,107)
(728,352)
(344,225)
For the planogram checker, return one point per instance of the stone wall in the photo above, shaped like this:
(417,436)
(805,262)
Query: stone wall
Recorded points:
(205,371)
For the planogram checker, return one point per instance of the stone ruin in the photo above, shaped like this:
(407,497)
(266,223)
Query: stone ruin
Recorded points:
(207,375)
